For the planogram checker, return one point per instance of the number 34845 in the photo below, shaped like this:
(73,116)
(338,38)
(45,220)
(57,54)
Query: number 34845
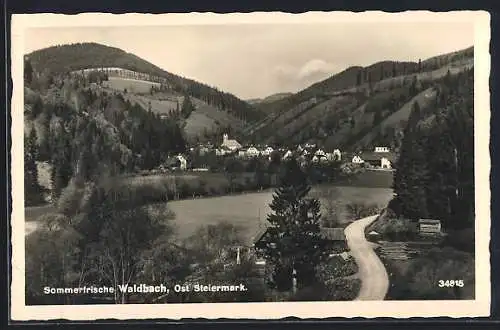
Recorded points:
(451,283)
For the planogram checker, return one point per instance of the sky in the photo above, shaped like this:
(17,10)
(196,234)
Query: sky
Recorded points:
(257,60)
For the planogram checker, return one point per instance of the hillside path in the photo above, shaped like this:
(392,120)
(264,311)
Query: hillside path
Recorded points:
(372,272)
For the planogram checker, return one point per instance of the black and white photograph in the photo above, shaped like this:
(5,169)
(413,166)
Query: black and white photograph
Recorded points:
(177,164)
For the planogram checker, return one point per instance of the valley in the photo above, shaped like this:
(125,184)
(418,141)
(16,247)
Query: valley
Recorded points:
(121,155)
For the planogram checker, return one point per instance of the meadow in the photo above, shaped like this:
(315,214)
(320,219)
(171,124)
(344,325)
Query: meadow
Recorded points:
(132,85)
(208,198)
(249,211)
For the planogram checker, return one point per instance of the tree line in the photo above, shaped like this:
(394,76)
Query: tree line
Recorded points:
(434,174)
(102,133)
(67,58)
(100,236)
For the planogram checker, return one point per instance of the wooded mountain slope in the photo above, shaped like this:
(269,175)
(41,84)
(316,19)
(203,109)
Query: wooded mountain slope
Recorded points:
(358,107)
(67,58)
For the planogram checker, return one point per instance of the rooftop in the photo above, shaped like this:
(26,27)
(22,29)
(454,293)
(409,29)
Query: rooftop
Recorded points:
(429,221)
(370,155)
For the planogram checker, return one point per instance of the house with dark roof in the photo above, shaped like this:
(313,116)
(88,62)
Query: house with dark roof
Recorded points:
(335,236)
(378,159)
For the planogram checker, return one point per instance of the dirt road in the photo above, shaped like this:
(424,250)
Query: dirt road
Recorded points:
(373,275)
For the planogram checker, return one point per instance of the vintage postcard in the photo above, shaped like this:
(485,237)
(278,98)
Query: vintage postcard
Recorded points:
(257,166)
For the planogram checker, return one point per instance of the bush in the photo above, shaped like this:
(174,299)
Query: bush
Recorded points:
(360,210)
(71,198)
(335,268)
(395,206)
(395,229)
(343,289)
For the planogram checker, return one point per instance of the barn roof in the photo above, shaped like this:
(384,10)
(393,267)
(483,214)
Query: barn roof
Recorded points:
(333,234)
(429,221)
(371,156)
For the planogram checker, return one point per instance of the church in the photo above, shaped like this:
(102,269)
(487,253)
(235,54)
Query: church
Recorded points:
(232,145)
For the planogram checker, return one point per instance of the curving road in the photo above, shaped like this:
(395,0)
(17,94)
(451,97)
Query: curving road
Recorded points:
(373,275)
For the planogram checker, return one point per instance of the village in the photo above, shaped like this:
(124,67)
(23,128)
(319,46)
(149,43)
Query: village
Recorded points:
(380,158)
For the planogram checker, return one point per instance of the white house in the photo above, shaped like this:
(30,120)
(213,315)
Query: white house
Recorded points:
(252,152)
(320,153)
(357,160)
(337,154)
(182,162)
(288,154)
(230,144)
(268,151)
(381,149)
(385,162)
(220,152)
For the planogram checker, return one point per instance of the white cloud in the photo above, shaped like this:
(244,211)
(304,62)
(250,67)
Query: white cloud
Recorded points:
(315,67)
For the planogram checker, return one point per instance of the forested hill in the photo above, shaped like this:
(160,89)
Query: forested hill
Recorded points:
(435,171)
(67,58)
(358,107)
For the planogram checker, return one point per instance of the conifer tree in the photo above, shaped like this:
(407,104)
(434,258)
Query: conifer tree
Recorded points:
(410,176)
(32,189)
(28,71)
(62,167)
(187,106)
(294,242)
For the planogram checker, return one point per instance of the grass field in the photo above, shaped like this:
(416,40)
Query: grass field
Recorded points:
(132,85)
(244,209)
(249,211)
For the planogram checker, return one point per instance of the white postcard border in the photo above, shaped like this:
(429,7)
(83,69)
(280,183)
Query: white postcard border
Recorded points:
(369,309)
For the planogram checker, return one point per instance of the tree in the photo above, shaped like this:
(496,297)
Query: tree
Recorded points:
(116,234)
(62,166)
(28,71)
(294,243)
(358,78)
(411,172)
(187,106)
(360,210)
(32,189)
(37,107)
(394,71)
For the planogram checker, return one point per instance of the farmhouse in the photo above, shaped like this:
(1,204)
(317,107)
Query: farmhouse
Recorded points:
(233,145)
(288,154)
(268,151)
(378,159)
(177,162)
(252,152)
(381,149)
(335,236)
(337,155)
(356,159)
(429,227)
(222,151)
